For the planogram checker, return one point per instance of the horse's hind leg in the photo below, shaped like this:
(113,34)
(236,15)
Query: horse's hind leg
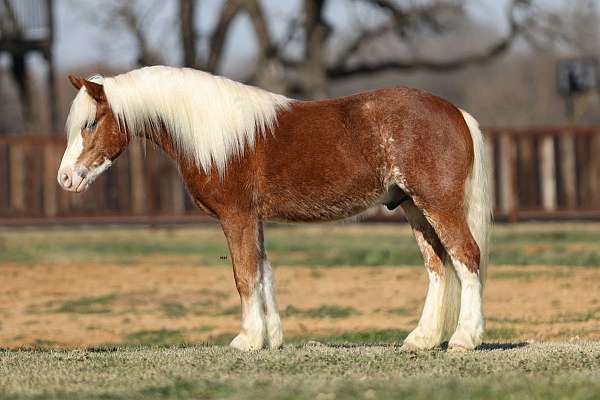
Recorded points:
(440,312)
(454,233)
(273,322)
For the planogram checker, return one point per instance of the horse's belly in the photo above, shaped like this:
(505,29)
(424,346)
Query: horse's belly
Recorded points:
(327,205)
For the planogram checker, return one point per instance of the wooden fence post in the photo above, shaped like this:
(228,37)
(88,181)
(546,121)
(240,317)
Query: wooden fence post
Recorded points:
(594,170)
(50,206)
(17,178)
(178,193)
(137,178)
(489,156)
(4,178)
(548,173)
(568,169)
(527,174)
(508,177)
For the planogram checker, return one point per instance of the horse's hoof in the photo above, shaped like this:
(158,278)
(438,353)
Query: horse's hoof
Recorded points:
(455,348)
(409,348)
(244,343)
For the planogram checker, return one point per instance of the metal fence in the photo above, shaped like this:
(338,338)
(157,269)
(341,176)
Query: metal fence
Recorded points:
(540,172)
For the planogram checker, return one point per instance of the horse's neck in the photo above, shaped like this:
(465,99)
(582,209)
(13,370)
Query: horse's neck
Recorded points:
(187,167)
(163,140)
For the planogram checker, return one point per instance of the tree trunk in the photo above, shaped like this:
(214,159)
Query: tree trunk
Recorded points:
(315,69)
(187,10)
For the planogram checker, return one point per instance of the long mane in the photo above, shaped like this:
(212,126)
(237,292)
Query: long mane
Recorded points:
(210,118)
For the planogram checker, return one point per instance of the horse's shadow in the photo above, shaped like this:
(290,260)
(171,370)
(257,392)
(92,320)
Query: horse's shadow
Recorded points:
(444,346)
(494,346)
(502,345)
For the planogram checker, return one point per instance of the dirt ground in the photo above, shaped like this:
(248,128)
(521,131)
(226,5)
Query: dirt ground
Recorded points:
(73,305)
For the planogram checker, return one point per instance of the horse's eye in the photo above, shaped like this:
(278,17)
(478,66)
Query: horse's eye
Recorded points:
(92,126)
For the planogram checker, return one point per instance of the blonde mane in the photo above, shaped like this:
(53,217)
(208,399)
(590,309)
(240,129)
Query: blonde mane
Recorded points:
(210,118)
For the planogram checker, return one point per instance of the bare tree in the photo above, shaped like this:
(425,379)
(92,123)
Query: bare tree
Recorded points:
(329,54)
(316,67)
(134,23)
(187,12)
(133,17)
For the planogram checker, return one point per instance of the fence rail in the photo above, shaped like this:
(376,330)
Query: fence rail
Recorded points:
(538,172)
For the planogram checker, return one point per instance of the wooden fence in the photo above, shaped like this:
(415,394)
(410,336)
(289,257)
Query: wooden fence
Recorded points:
(540,172)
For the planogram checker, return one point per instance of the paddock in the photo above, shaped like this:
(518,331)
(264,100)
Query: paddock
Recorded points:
(160,303)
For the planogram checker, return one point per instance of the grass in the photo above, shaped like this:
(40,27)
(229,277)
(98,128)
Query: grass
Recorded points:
(500,334)
(402,311)
(157,364)
(366,371)
(87,305)
(303,245)
(174,310)
(529,275)
(155,337)
(324,311)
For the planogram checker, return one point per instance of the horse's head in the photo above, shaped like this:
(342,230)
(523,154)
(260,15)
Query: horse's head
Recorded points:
(95,136)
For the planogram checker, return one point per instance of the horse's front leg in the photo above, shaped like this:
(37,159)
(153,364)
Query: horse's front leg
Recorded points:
(243,239)
(273,322)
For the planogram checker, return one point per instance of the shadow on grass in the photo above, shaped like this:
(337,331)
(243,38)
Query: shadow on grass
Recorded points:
(392,338)
(502,346)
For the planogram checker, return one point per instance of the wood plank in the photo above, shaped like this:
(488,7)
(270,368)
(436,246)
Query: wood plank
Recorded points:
(594,173)
(548,174)
(508,176)
(137,178)
(4,180)
(528,189)
(568,169)
(489,156)
(50,184)
(17,178)
(178,192)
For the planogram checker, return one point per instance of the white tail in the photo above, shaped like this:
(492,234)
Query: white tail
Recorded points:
(478,205)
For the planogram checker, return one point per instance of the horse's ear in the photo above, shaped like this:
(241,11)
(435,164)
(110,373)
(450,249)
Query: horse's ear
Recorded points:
(95,90)
(76,81)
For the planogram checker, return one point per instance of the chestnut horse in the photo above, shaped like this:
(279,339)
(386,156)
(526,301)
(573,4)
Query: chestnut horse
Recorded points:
(248,156)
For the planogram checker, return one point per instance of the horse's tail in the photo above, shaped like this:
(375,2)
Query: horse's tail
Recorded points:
(478,200)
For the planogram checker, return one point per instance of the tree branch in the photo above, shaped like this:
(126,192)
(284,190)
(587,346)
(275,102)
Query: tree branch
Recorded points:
(341,70)
(217,40)
(187,10)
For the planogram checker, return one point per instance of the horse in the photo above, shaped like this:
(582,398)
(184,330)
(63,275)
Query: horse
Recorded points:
(248,156)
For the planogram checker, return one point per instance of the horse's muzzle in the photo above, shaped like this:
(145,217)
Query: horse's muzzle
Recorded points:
(73,179)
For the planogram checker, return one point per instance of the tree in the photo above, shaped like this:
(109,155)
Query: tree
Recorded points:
(404,22)
(331,54)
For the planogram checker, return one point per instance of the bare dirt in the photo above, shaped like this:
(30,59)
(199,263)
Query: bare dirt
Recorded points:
(73,305)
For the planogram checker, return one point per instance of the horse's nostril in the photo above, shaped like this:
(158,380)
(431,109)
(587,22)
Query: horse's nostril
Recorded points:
(65,179)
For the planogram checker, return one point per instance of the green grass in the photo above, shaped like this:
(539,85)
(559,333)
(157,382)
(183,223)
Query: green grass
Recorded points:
(402,311)
(503,371)
(321,245)
(156,337)
(500,334)
(87,305)
(174,310)
(324,311)
(528,275)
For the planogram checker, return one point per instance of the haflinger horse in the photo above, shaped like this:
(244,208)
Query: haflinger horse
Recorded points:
(248,156)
